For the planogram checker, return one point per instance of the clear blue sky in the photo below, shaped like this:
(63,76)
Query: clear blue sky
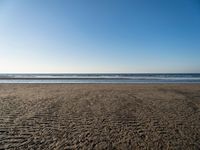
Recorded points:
(99,36)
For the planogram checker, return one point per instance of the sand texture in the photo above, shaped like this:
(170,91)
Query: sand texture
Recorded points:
(99,116)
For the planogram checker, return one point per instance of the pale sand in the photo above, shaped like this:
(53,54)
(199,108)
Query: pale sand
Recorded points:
(99,116)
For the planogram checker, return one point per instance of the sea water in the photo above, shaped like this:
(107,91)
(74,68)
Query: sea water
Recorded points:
(101,78)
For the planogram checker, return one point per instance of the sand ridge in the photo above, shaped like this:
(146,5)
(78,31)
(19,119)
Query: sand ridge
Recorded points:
(99,116)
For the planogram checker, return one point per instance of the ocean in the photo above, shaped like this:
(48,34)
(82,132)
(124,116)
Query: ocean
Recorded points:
(102,78)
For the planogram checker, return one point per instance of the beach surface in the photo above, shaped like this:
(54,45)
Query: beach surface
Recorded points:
(100,116)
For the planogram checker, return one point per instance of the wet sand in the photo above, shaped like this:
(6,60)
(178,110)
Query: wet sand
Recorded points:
(99,116)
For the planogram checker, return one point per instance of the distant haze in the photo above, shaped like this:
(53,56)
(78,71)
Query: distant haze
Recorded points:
(95,36)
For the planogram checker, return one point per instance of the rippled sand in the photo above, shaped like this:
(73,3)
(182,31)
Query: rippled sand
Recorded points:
(99,116)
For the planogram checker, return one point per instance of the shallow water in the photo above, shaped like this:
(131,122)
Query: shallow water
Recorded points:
(100,78)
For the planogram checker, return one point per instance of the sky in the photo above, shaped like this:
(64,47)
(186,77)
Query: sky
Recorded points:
(100,36)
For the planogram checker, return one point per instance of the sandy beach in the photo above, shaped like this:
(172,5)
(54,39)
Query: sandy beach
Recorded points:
(100,116)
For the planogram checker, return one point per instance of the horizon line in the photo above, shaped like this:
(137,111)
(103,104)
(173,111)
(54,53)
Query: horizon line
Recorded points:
(99,72)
